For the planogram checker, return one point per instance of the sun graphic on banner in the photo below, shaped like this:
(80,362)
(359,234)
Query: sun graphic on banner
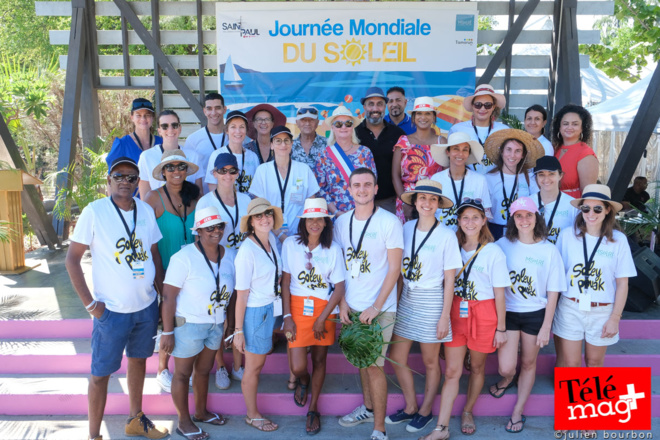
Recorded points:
(353,51)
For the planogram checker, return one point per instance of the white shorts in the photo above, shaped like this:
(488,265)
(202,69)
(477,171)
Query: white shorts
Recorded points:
(572,324)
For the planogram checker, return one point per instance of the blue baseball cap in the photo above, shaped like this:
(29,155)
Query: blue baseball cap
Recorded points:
(236,114)
(374,92)
(279,130)
(121,160)
(225,159)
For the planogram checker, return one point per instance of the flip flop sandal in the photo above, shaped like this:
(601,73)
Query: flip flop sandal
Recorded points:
(291,385)
(260,427)
(520,422)
(302,395)
(190,435)
(498,388)
(465,426)
(313,415)
(221,420)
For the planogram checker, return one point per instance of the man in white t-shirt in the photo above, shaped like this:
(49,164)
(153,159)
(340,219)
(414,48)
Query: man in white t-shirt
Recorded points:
(122,235)
(372,241)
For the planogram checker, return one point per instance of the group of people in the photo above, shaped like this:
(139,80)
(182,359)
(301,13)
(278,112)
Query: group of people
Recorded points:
(486,240)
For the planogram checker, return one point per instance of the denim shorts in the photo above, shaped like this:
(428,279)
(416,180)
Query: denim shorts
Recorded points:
(113,332)
(190,339)
(258,329)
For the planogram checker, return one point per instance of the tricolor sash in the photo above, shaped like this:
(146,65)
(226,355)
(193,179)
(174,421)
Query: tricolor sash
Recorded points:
(341,161)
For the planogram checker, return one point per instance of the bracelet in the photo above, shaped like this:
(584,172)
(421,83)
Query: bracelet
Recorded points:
(501,331)
(90,305)
(167,333)
(230,337)
(375,308)
(288,315)
(93,308)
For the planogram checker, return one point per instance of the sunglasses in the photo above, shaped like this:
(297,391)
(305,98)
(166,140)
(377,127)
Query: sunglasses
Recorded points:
(128,178)
(486,105)
(340,124)
(598,209)
(308,258)
(469,200)
(171,167)
(268,213)
(219,227)
(311,110)
(223,171)
(175,125)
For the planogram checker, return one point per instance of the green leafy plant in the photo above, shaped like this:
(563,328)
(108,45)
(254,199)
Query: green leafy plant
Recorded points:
(512,121)
(645,222)
(89,183)
(6,231)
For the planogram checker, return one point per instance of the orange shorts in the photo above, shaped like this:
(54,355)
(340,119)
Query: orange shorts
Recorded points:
(304,324)
(477,331)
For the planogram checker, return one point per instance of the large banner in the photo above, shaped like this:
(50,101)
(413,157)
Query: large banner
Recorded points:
(326,54)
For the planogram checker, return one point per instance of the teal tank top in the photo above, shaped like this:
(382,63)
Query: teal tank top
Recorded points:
(172,230)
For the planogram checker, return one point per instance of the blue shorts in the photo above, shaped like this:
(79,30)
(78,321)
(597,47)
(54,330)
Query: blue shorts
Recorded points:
(114,332)
(190,339)
(258,329)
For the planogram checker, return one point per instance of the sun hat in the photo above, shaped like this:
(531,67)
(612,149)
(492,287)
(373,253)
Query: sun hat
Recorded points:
(258,206)
(142,103)
(423,104)
(236,114)
(208,216)
(341,111)
(279,130)
(278,116)
(470,203)
(173,156)
(547,163)
(523,204)
(495,141)
(482,90)
(225,159)
(439,151)
(374,92)
(596,191)
(315,207)
(307,112)
(121,160)
(427,186)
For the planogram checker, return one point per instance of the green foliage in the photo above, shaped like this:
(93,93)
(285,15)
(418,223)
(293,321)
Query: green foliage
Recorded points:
(89,183)
(486,22)
(646,222)
(5,231)
(512,120)
(629,39)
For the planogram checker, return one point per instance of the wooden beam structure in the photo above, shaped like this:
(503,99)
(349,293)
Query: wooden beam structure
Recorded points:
(638,138)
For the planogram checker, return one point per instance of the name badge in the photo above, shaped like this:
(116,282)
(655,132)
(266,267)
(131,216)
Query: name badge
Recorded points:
(308,307)
(277,306)
(585,301)
(138,269)
(355,269)
(463,311)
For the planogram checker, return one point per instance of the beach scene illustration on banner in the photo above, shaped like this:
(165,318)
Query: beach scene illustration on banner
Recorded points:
(327,54)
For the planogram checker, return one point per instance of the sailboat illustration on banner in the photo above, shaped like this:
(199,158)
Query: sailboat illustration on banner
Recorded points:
(231,78)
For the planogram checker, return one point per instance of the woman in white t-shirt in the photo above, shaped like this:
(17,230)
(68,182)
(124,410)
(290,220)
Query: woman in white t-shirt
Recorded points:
(430,259)
(284,182)
(312,286)
(197,288)
(554,205)
(535,119)
(514,153)
(259,301)
(458,180)
(536,271)
(598,264)
(477,315)
(247,161)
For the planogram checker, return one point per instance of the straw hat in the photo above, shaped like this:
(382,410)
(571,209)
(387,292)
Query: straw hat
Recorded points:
(482,90)
(258,206)
(341,111)
(495,141)
(439,151)
(427,186)
(423,104)
(316,207)
(173,156)
(596,191)
(208,216)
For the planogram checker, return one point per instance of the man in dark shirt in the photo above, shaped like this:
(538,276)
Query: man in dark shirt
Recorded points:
(380,137)
(636,196)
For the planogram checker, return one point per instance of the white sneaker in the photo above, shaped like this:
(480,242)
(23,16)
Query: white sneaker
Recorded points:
(164,379)
(222,378)
(237,375)
(377,435)
(359,415)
